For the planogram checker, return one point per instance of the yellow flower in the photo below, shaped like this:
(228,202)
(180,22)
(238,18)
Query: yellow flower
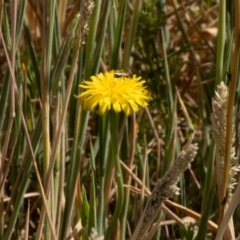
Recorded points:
(114,89)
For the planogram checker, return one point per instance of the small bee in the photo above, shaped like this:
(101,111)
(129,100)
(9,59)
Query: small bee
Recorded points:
(122,74)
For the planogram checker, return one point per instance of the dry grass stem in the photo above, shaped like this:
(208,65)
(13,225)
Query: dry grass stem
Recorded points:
(218,129)
(166,187)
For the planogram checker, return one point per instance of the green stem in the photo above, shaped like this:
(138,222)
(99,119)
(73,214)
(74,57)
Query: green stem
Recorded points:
(221,42)
(45,79)
(103,146)
(118,35)
(131,34)
(208,194)
(118,173)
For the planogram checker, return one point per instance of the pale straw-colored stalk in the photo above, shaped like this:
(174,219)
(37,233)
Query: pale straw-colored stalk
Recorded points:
(165,188)
(218,129)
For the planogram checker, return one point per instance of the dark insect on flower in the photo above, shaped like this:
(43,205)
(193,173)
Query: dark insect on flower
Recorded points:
(122,74)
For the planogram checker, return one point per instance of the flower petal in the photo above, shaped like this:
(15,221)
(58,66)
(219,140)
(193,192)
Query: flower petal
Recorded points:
(121,92)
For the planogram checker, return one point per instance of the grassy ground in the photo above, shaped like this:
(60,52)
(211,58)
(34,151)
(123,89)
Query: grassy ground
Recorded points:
(70,173)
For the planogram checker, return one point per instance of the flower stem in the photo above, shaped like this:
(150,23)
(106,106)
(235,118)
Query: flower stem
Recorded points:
(118,173)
